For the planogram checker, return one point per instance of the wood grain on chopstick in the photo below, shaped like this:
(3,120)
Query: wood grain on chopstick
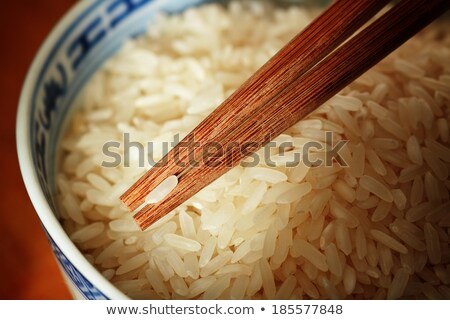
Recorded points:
(258,113)
(307,48)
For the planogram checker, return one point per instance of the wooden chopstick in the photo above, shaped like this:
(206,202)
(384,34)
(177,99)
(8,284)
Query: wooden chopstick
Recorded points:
(258,112)
(307,48)
(322,36)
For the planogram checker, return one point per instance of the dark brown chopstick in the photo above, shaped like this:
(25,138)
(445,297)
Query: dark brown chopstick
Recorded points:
(322,36)
(258,113)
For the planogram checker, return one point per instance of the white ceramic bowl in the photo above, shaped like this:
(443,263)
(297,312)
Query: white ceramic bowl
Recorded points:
(85,38)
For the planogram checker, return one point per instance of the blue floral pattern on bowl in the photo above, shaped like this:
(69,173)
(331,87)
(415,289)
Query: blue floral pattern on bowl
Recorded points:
(84,286)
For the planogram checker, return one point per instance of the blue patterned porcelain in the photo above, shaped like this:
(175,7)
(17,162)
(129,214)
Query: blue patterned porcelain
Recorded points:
(86,289)
(87,36)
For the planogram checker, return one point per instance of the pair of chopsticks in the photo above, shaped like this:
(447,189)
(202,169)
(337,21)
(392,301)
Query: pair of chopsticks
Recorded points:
(314,66)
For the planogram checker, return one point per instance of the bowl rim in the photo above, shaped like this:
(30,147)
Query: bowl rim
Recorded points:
(23,144)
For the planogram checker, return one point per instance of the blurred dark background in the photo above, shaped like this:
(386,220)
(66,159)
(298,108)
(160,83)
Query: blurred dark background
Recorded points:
(28,269)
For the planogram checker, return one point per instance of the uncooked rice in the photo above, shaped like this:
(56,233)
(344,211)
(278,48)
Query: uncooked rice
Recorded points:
(374,230)
(162,190)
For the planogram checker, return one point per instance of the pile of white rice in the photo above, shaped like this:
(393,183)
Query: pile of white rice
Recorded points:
(379,228)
